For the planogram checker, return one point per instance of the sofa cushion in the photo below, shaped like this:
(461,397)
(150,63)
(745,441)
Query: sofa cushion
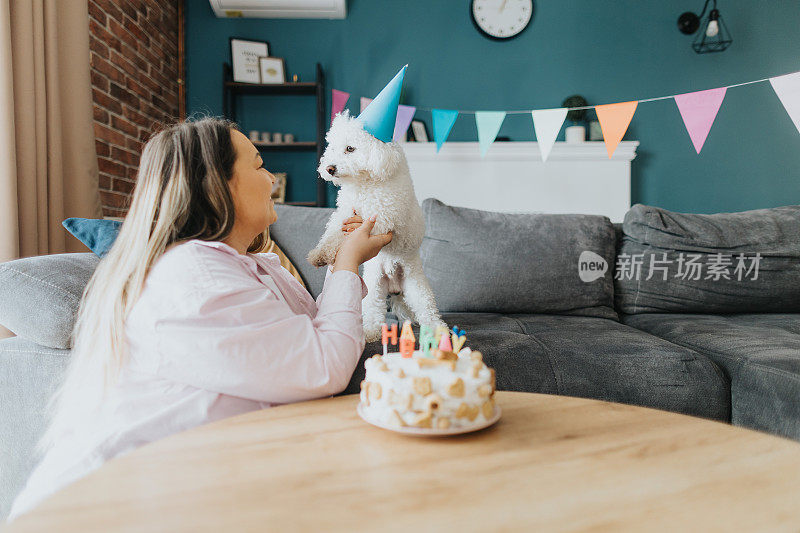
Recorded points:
(297,231)
(29,374)
(97,234)
(518,263)
(760,353)
(722,263)
(592,358)
(606,360)
(470,322)
(39,296)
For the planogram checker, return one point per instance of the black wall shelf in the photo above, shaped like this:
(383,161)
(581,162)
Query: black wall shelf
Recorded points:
(231,89)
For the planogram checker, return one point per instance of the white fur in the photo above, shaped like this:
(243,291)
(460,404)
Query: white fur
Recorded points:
(374,180)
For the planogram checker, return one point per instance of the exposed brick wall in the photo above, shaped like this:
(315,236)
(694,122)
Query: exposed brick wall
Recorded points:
(134,65)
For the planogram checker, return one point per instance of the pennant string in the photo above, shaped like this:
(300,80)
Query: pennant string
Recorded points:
(527,111)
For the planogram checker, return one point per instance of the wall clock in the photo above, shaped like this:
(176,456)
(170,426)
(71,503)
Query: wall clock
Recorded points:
(501,19)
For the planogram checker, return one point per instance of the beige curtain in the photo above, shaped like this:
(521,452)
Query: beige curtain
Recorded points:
(48,164)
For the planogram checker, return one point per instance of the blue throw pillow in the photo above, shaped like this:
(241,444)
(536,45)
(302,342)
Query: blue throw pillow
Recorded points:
(97,234)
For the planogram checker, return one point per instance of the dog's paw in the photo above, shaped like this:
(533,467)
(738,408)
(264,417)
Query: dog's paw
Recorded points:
(372,325)
(372,332)
(317,257)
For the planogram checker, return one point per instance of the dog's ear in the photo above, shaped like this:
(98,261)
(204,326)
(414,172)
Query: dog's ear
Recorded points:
(384,159)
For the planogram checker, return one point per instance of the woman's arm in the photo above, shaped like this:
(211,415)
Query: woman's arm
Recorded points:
(236,336)
(349,225)
(232,334)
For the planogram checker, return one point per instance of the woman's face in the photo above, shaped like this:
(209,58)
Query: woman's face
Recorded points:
(251,187)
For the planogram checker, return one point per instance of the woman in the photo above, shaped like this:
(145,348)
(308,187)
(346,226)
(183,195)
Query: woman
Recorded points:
(183,322)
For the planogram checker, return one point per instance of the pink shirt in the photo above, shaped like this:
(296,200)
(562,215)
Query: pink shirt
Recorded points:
(214,334)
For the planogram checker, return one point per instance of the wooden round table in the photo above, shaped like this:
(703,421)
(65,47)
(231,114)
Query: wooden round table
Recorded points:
(551,463)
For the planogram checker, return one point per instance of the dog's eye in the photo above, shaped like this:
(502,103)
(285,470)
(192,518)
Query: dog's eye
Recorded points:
(349,149)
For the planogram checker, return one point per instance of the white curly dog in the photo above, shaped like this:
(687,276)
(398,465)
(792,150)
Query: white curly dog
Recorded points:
(374,179)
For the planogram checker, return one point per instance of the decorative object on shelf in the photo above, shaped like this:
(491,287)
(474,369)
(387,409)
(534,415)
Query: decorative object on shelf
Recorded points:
(244,58)
(273,69)
(279,188)
(277,137)
(503,23)
(288,138)
(595,131)
(577,132)
(254,135)
(714,35)
(419,132)
(266,137)
(295,78)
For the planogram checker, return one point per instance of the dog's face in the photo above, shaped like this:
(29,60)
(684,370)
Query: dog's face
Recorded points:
(353,155)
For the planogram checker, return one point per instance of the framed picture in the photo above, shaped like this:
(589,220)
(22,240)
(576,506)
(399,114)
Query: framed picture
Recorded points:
(418,131)
(244,59)
(279,189)
(273,69)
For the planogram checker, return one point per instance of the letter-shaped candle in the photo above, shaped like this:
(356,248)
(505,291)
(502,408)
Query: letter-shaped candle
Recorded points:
(407,340)
(459,337)
(444,343)
(427,340)
(387,335)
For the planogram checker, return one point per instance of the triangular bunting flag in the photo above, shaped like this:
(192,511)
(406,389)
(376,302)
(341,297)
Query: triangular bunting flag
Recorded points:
(488,123)
(338,101)
(443,120)
(698,110)
(405,113)
(614,120)
(547,123)
(787,88)
(364,103)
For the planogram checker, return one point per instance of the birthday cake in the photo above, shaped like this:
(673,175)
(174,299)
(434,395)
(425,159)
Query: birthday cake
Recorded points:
(440,386)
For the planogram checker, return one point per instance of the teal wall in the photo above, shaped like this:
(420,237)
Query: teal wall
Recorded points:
(606,51)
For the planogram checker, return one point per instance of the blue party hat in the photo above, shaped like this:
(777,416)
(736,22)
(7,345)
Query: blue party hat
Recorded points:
(381,114)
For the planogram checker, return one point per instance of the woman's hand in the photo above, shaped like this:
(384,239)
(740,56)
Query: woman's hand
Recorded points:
(352,223)
(360,246)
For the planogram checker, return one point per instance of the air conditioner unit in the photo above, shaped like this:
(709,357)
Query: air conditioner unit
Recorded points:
(283,9)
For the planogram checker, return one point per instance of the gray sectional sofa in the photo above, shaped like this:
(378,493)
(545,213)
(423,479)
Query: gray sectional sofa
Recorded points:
(698,314)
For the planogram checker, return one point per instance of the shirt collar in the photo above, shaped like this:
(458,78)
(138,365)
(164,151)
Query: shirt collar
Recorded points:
(218,245)
(270,257)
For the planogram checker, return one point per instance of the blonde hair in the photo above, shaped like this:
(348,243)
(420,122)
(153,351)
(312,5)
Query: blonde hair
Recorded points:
(181,193)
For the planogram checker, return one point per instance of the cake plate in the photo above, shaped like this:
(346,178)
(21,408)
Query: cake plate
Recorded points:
(431,432)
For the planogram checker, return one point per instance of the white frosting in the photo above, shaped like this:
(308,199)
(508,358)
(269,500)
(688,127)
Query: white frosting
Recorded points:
(394,390)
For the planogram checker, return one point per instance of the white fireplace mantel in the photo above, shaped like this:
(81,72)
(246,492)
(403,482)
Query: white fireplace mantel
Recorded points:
(511,178)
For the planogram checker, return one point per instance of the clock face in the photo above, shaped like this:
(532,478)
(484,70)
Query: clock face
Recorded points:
(502,19)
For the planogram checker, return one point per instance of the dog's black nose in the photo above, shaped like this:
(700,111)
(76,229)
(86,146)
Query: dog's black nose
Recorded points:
(331,169)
